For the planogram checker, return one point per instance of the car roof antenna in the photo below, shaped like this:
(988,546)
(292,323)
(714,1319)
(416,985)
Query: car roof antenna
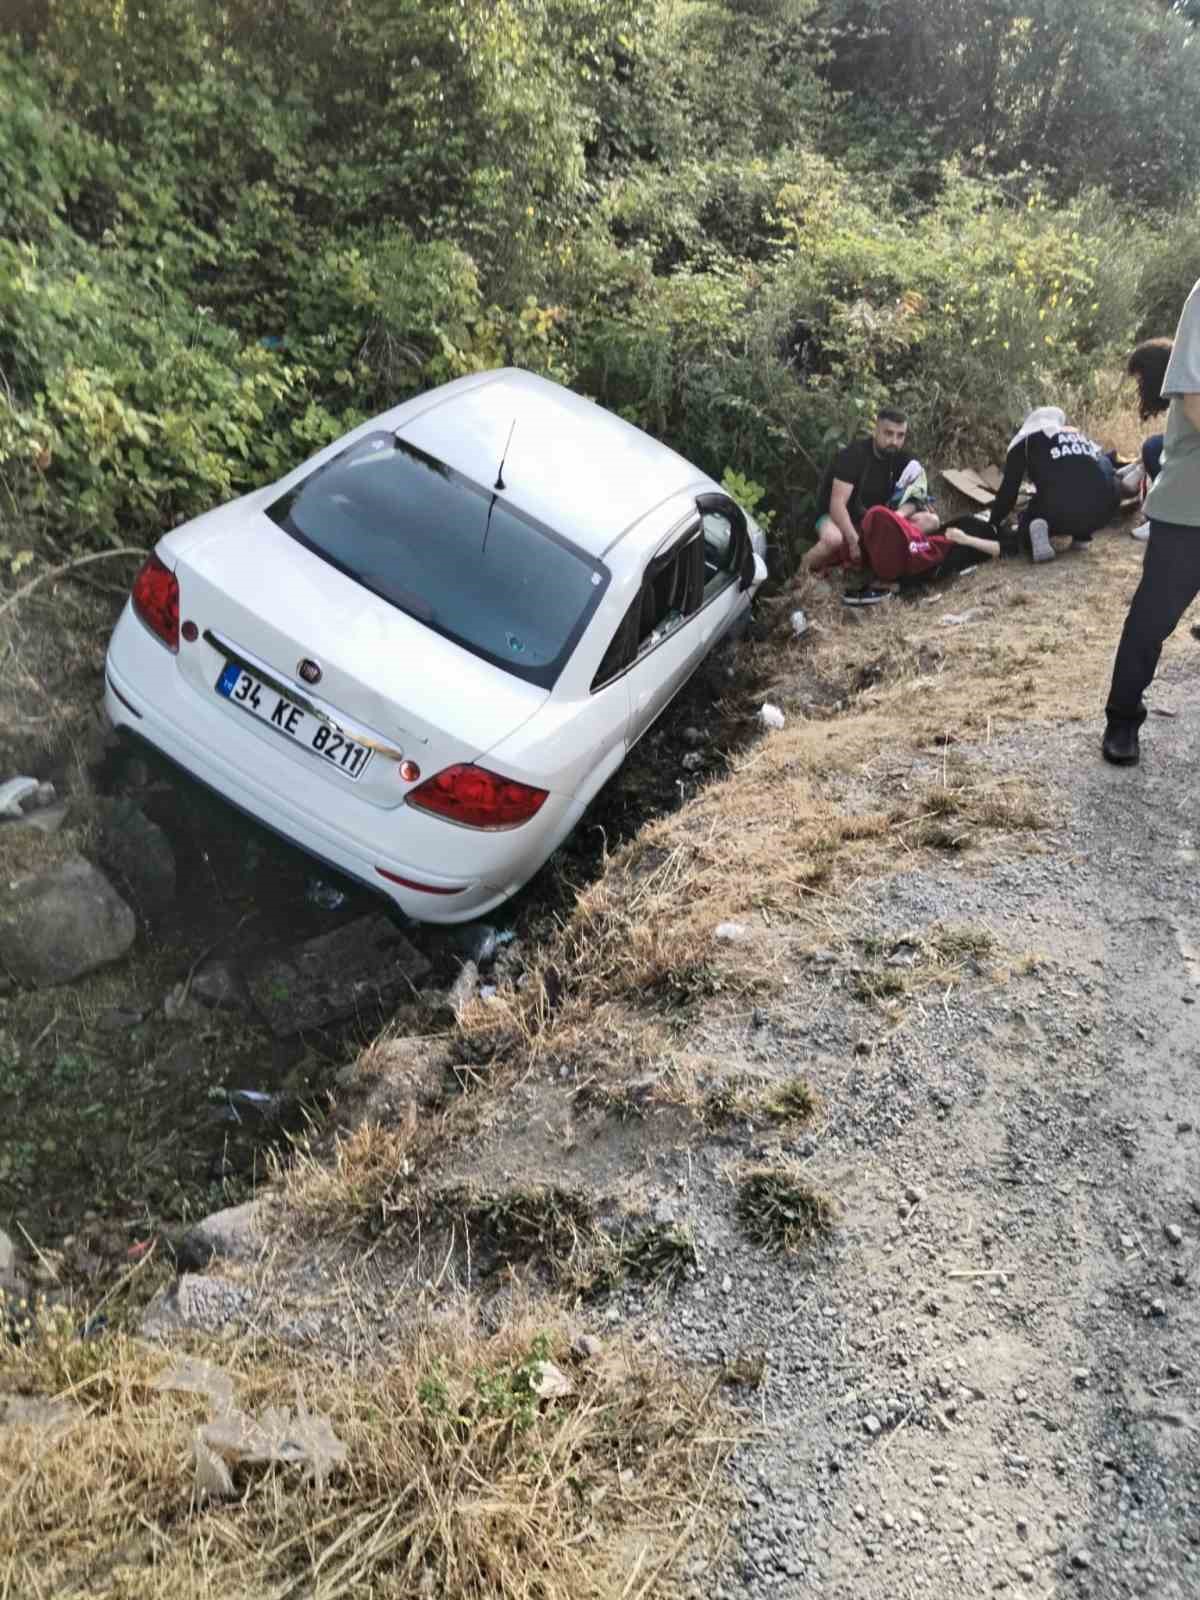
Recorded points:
(499,483)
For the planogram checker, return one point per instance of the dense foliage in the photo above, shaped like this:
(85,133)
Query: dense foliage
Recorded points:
(228,230)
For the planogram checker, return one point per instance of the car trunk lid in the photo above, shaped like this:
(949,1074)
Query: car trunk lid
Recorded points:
(324,643)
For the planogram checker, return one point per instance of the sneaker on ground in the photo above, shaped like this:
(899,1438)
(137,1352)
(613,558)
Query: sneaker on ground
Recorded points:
(865,597)
(1141,532)
(1039,540)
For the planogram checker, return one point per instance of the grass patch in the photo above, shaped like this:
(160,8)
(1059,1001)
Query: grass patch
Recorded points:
(878,985)
(466,1473)
(963,944)
(658,1255)
(740,1098)
(779,1209)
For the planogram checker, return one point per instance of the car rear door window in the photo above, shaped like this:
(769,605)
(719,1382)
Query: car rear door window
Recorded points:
(673,589)
(453,555)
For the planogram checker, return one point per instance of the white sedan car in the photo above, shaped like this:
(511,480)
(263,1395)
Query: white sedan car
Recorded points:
(419,655)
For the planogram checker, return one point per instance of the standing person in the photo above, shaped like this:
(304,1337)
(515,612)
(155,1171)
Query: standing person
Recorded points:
(1074,483)
(1171,570)
(1147,366)
(865,473)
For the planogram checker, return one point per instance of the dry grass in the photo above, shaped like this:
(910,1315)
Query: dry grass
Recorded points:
(459,1479)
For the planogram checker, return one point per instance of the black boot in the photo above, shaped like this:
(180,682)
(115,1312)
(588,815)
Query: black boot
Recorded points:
(1121,744)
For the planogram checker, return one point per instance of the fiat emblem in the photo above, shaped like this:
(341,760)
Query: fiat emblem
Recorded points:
(309,670)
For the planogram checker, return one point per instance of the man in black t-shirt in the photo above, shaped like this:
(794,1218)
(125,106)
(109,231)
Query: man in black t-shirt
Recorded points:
(865,473)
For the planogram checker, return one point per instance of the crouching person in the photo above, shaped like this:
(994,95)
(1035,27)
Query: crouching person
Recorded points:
(897,547)
(874,470)
(1074,484)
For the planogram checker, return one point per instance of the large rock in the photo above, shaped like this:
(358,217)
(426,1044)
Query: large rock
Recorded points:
(195,1302)
(239,1233)
(368,962)
(59,924)
(139,855)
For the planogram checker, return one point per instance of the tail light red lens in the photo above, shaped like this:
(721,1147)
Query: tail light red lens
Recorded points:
(477,798)
(156,601)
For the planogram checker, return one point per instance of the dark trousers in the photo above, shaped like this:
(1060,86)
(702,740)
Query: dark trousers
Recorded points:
(1170,582)
(1152,449)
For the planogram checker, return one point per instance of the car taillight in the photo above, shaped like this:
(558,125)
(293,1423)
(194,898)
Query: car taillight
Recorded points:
(156,601)
(477,798)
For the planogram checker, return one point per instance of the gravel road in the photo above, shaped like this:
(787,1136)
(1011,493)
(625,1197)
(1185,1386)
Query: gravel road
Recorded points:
(989,1378)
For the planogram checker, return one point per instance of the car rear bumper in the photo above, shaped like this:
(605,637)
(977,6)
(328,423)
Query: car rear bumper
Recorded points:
(148,697)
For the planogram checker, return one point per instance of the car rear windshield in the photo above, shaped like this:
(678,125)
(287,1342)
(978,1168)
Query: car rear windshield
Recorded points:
(447,552)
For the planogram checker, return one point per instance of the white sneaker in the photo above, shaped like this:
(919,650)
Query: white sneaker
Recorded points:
(1039,540)
(1141,532)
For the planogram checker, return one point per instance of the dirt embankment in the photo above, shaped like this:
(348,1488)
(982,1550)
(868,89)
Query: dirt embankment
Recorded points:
(903,1160)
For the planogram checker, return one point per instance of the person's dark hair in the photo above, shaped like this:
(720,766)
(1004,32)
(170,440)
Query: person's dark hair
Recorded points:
(890,414)
(1148,366)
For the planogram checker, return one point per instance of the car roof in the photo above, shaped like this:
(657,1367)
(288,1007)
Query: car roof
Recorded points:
(569,463)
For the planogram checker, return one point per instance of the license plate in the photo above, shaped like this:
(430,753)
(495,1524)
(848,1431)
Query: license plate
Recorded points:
(243,689)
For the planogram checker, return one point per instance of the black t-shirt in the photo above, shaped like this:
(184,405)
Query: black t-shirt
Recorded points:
(874,477)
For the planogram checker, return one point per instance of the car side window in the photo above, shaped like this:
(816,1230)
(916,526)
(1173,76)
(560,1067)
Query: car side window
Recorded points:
(673,589)
(720,551)
(622,648)
(728,552)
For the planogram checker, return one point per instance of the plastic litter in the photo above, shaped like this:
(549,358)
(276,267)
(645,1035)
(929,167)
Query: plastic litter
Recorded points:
(13,792)
(771,717)
(731,932)
(325,896)
(955,619)
(550,1382)
(692,761)
(235,1438)
(478,941)
(232,1102)
(800,624)
(464,988)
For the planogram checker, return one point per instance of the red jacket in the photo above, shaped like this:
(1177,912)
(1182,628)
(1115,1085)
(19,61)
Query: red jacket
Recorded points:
(894,548)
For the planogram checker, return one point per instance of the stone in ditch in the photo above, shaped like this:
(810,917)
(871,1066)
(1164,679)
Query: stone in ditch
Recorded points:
(1174,1234)
(219,985)
(57,925)
(139,855)
(8,1265)
(464,988)
(368,963)
(872,1426)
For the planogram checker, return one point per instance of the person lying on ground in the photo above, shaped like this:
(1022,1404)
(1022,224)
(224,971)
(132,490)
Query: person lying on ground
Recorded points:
(1147,366)
(1171,570)
(875,470)
(899,548)
(1074,484)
